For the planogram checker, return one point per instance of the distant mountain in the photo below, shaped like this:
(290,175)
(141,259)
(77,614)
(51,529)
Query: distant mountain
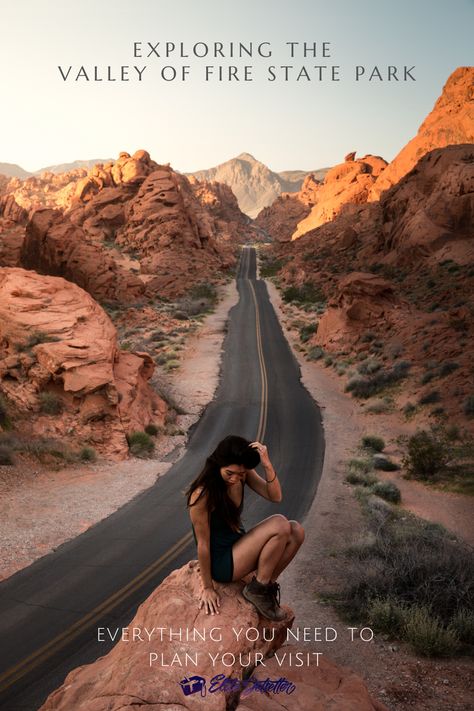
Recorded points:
(12,170)
(253,183)
(65,167)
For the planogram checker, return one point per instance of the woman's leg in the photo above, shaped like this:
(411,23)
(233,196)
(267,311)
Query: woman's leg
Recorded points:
(296,539)
(262,548)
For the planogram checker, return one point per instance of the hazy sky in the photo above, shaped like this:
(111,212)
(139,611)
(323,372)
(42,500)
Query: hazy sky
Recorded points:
(196,124)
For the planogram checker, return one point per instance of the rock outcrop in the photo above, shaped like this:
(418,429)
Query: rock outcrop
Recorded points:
(61,368)
(127,677)
(450,122)
(348,182)
(55,246)
(280,219)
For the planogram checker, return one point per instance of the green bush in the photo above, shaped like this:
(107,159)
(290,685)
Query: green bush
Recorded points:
(87,454)
(387,490)
(373,442)
(270,267)
(307,292)
(427,635)
(463,624)
(50,403)
(315,353)
(307,331)
(386,615)
(360,465)
(372,384)
(204,291)
(140,444)
(430,397)
(152,429)
(426,455)
(469,406)
(360,478)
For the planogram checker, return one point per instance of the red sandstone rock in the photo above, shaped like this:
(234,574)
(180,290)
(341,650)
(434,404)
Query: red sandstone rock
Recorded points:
(280,219)
(348,182)
(11,239)
(103,392)
(53,245)
(450,122)
(124,679)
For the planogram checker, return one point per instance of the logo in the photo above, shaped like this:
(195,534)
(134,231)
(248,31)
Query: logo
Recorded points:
(195,684)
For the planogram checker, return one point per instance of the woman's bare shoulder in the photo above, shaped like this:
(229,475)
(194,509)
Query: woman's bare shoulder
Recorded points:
(198,497)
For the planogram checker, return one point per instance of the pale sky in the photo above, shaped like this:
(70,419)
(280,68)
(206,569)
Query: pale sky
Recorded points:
(196,124)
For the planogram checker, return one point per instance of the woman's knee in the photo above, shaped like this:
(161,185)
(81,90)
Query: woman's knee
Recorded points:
(297,532)
(282,525)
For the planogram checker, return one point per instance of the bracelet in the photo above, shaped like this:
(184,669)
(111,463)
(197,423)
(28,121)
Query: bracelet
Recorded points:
(269,482)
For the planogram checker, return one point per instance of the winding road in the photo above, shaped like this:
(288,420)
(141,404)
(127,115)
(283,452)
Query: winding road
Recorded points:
(50,611)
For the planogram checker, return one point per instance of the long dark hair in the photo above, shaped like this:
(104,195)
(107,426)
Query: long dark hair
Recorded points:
(231,450)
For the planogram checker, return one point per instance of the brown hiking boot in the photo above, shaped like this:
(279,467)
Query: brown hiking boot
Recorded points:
(262,597)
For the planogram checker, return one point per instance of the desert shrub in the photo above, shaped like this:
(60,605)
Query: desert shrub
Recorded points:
(372,384)
(172,364)
(328,360)
(379,406)
(429,397)
(369,366)
(307,292)
(449,367)
(368,336)
(385,464)
(360,478)
(387,490)
(87,454)
(5,420)
(427,454)
(463,624)
(50,403)
(307,331)
(6,455)
(360,465)
(469,406)
(373,442)
(409,410)
(414,565)
(140,443)
(427,635)
(152,429)
(270,267)
(386,615)
(315,353)
(204,291)
(180,315)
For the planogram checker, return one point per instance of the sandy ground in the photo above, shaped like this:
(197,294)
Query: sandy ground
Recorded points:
(41,508)
(393,675)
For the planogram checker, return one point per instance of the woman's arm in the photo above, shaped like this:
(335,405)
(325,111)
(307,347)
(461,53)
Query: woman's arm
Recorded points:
(200,519)
(269,487)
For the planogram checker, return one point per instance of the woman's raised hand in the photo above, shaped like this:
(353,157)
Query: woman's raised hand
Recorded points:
(263,452)
(210,601)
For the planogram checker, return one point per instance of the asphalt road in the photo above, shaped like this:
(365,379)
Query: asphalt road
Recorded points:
(50,611)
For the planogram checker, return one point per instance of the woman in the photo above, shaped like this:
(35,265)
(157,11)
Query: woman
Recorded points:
(226,551)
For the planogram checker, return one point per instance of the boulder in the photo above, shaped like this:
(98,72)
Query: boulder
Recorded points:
(128,677)
(56,341)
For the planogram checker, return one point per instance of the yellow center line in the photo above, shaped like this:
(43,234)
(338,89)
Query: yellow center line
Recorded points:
(12,675)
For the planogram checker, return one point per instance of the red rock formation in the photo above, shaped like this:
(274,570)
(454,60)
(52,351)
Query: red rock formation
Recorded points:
(53,245)
(11,240)
(348,182)
(280,219)
(46,190)
(125,678)
(361,302)
(55,339)
(450,122)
